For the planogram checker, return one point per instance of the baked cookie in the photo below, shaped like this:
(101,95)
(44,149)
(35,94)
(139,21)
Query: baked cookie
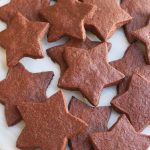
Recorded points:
(133,59)
(56,53)
(140,12)
(142,34)
(22,39)
(28,8)
(20,86)
(68,19)
(121,136)
(105,20)
(135,102)
(50,124)
(89,72)
(96,118)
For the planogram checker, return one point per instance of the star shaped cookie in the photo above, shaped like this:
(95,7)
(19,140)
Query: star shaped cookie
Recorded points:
(135,102)
(96,118)
(28,8)
(143,35)
(121,136)
(108,17)
(133,59)
(89,72)
(140,11)
(50,124)
(21,85)
(56,53)
(68,19)
(22,38)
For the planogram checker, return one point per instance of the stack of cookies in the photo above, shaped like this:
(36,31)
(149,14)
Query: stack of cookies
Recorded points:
(84,67)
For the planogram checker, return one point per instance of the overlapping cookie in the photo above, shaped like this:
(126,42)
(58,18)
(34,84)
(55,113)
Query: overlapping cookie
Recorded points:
(108,17)
(89,72)
(20,86)
(96,118)
(22,38)
(133,60)
(28,8)
(66,18)
(121,136)
(142,34)
(50,125)
(140,12)
(135,102)
(56,53)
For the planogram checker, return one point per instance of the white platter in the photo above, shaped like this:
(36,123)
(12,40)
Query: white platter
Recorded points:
(9,135)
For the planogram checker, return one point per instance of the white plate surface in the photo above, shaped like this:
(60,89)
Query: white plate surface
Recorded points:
(9,135)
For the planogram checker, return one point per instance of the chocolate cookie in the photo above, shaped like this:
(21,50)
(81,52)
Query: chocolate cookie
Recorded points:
(140,11)
(142,34)
(56,53)
(89,72)
(144,72)
(22,38)
(67,19)
(105,20)
(121,136)
(135,102)
(50,124)
(133,59)
(96,118)
(28,8)
(21,85)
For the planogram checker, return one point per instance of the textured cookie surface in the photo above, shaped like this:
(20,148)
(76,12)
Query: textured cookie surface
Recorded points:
(121,136)
(50,124)
(133,59)
(96,118)
(135,102)
(56,53)
(22,38)
(105,20)
(143,35)
(21,85)
(140,11)
(89,72)
(66,18)
(28,8)
(144,72)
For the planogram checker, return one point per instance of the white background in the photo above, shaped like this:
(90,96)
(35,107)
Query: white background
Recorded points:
(8,135)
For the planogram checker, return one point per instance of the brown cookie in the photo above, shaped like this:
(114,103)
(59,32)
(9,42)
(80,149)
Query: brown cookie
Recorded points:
(89,72)
(50,124)
(67,19)
(105,20)
(22,38)
(121,136)
(28,8)
(140,11)
(135,102)
(56,53)
(144,72)
(96,118)
(133,59)
(142,34)
(21,85)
